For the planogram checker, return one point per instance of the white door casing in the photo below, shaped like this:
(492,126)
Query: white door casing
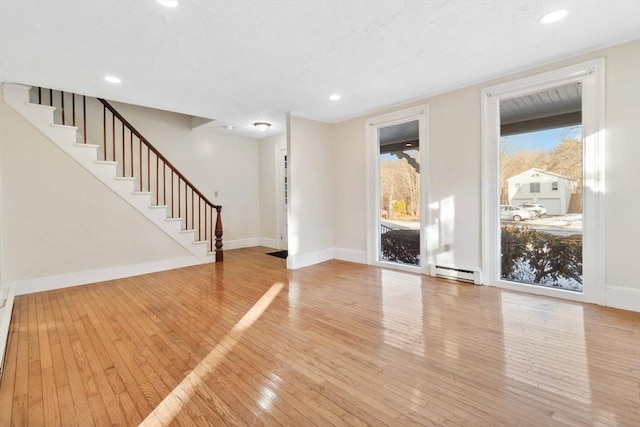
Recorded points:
(421,114)
(591,76)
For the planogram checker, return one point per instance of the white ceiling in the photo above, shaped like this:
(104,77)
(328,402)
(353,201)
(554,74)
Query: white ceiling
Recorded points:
(244,61)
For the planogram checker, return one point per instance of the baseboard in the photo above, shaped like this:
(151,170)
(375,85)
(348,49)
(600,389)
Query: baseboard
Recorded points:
(7,295)
(269,243)
(623,298)
(49,283)
(311,258)
(240,243)
(351,255)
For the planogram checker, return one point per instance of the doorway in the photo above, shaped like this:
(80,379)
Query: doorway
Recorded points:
(542,182)
(399,180)
(282,193)
(397,190)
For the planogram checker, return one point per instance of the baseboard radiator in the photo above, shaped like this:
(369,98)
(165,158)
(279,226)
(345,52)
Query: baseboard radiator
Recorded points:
(455,273)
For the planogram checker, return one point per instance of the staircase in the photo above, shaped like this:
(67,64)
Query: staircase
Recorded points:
(113,151)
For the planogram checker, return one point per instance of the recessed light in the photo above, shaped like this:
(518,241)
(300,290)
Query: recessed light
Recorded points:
(554,16)
(168,3)
(408,144)
(229,127)
(112,79)
(335,97)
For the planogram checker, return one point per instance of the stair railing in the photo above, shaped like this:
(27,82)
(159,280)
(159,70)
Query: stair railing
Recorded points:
(139,159)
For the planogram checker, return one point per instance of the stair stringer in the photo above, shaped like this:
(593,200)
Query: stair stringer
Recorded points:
(65,138)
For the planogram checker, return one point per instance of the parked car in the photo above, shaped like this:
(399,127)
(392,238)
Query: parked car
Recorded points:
(514,213)
(536,208)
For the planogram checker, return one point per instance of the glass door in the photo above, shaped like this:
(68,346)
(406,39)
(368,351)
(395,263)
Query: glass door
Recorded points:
(541,188)
(399,239)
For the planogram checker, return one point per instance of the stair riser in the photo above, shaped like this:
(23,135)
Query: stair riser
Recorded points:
(40,113)
(65,136)
(141,202)
(81,154)
(187,237)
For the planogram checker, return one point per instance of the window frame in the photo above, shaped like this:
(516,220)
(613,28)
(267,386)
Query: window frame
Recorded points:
(591,75)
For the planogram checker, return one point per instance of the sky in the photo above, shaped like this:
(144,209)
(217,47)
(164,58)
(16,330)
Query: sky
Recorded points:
(393,158)
(543,140)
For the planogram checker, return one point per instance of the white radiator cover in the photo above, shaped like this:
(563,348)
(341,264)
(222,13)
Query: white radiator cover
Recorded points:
(463,274)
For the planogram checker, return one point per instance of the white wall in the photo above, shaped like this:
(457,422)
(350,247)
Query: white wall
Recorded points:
(57,218)
(456,170)
(212,162)
(622,110)
(269,175)
(349,198)
(311,192)
(453,167)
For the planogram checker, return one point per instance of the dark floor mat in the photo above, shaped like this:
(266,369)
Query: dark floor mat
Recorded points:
(279,254)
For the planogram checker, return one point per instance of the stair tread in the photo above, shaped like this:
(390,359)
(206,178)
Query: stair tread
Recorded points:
(125,178)
(44,107)
(141,193)
(86,145)
(57,125)
(158,206)
(106,162)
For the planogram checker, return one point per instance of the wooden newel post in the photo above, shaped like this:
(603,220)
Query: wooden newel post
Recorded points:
(218,233)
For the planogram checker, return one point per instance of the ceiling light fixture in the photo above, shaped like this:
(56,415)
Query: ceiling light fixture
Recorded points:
(168,3)
(335,97)
(554,16)
(262,126)
(112,79)
(229,127)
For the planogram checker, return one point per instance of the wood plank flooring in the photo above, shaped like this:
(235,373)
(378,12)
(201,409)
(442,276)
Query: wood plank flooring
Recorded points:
(246,342)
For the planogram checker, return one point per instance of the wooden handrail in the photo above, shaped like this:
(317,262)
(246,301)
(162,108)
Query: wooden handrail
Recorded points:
(155,151)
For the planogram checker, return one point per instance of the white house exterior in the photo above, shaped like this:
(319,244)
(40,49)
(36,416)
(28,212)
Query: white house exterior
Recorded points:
(549,189)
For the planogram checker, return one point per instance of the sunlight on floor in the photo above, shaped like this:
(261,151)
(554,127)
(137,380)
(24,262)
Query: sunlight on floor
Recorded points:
(402,315)
(171,406)
(545,365)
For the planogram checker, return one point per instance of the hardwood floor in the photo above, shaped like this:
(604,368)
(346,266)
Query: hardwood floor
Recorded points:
(246,342)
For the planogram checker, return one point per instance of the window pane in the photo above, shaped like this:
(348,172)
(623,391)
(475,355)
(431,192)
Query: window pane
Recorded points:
(541,176)
(534,187)
(399,193)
